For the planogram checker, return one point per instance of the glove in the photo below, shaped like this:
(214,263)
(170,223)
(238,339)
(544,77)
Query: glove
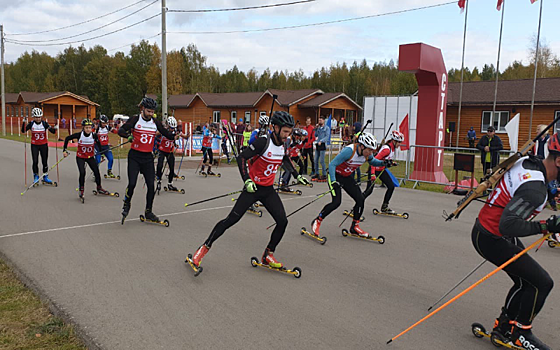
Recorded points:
(65,153)
(552,224)
(302,180)
(387,163)
(250,186)
(130,138)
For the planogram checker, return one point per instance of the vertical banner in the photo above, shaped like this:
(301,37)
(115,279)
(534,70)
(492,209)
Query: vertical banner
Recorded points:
(403,127)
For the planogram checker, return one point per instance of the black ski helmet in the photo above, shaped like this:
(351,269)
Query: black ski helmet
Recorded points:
(104,118)
(148,103)
(282,118)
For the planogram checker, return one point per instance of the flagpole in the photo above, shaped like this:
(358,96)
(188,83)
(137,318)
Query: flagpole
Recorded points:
(498,62)
(535,77)
(462,72)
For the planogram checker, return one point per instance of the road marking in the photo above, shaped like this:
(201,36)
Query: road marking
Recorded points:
(119,221)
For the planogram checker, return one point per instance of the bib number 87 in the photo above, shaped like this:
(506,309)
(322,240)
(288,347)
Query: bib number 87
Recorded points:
(271,169)
(145,138)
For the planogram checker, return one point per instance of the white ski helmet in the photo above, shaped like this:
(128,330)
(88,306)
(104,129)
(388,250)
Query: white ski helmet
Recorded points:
(37,112)
(172,122)
(368,140)
(264,120)
(397,136)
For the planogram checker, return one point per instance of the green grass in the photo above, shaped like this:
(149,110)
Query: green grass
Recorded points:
(26,323)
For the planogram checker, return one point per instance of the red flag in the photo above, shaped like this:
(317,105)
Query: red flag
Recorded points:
(533,1)
(461,4)
(403,127)
(499,6)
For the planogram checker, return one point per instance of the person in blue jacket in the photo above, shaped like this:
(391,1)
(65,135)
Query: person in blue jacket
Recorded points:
(322,134)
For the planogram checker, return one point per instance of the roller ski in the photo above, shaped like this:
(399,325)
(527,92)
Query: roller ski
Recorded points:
(110,175)
(351,214)
(171,188)
(35,183)
(321,240)
(210,173)
(518,337)
(287,190)
(385,210)
(553,243)
(317,178)
(81,194)
(294,183)
(102,192)
(125,211)
(46,181)
(176,177)
(194,262)
(203,173)
(152,218)
(253,210)
(356,231)
(269,262)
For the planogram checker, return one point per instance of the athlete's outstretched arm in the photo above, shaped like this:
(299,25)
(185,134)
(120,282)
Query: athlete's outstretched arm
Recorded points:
(254,149)
(165,132)
(75,136)
(125,129)
(527,198)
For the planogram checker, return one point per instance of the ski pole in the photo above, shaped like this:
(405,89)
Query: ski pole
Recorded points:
(182,156)
(457,285)
(25,156)
(313,201)
(211,199)
(352,211)
(34,182)
(56,148)
(501,267)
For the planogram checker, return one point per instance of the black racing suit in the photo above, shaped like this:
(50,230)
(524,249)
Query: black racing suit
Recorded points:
(267,195)
(92,162)
(141,162)
(39,149)
(170,158)
(532,283)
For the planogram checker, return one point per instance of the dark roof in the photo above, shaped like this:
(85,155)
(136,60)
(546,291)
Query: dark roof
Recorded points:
(289,97)
(180,100)
(509,92)
(10,97)
(230,99)
(325,98)
(34,97)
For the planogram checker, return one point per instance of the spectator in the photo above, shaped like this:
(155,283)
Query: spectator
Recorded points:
(342,123)
(239,129)
(63,123)
(180,126)
(471,136)
(198,129)
(334,124)
(308,147)
(247,135)
(297,125)
(322,133)
(489,145)
(541,149)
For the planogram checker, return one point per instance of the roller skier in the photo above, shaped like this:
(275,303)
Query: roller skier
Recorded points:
(39,144)
(166,149)
(102,131)
(520,194)
(258,165)
(296,144)
(87,142)
(341,170)
(141,131)
(209,135)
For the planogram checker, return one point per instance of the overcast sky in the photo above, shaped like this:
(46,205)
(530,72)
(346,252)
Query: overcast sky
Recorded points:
(375,39)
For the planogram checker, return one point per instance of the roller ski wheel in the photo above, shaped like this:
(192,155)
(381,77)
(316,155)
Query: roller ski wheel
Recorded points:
(182,177)
(118,177)
(197,269)
(380,239)
(296,271)
(295,183)
(321,240)
(110,194)
(347,213)
(164,222)
(166,189)
(255,212)
(215,175)
(290,191)
(497,339)
(403,215)
(202,173)
(52,184)
(552,243)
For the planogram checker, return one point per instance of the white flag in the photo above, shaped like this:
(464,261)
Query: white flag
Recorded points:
(512,128)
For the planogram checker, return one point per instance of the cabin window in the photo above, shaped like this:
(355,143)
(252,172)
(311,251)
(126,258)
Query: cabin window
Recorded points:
(233,117)
(247,117)
(499,121)
(557,115)
(216,117)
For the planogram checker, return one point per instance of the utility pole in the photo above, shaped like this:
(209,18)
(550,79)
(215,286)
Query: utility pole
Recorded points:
(163,62)
(2,78)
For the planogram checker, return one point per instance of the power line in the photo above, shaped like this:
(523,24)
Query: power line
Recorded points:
(77,24)
(244,8)
(136,42)
(87,39)
(89,31)
(316,24)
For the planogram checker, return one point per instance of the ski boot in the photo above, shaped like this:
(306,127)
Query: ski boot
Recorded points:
(47,181)
(149,216)
(356,231)
(110,175)
(211,173)
(323,179)
(197,259)
(321,240)
(386,210)
(287,190)
(36,180)
(81,194)
(125,209)
(172,188)
(269,262)
(523,337)
(158,185)
(101,191)
(314,177)
(316,225)
(253,210)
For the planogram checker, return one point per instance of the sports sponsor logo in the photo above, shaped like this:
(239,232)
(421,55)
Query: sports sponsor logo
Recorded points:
(526,344)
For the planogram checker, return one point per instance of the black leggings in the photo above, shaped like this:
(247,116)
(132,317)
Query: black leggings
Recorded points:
(82,169)
(388,182)
(170,157)
(141,162)
(531,283)
(271,201)
(207,153)
(308,155)
(44,150)
(352,188)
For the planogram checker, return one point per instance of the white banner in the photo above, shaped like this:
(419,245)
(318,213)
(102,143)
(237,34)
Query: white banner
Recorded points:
(512,128)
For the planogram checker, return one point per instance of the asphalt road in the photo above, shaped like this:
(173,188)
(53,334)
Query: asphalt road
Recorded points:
(127,287)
